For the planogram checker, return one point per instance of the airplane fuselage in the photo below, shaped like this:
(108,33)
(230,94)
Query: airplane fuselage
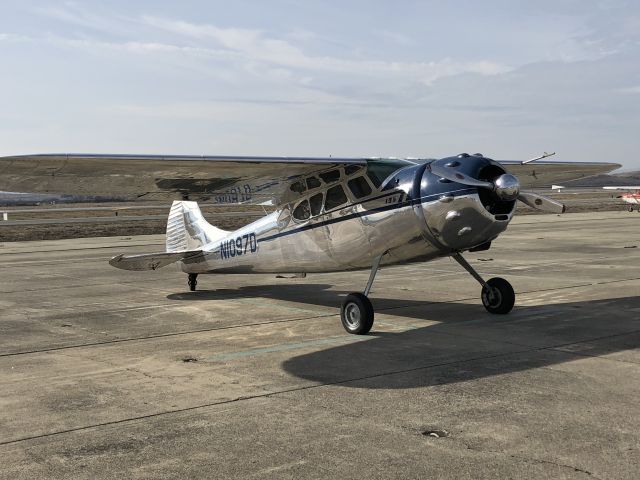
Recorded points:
(413,216)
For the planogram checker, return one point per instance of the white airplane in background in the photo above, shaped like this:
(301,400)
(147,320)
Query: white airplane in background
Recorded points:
(332,214)
(632,195)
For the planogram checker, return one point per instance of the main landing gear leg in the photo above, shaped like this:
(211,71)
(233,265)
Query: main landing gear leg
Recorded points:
(497,294)
(357,312)
(193,281)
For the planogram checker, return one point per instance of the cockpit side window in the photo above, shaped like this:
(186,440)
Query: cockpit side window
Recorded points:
(316,204)
(330,176)
(359,187)
(313,182)
(350,169)
(302,212)
(335,197)
(298,187)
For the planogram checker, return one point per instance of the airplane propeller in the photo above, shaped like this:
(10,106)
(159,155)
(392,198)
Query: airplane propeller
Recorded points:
(505,186)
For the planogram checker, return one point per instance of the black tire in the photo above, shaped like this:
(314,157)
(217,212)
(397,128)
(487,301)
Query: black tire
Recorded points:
(356,314)
(193,282)
(499,297)
(631,209)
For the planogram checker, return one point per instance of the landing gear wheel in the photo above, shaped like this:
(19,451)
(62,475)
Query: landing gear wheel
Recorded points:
(631,209)
(357,314)
(498,296)
(193,281)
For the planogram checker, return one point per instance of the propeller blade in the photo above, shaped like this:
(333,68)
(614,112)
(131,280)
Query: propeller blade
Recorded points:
(456,176)
(539,202)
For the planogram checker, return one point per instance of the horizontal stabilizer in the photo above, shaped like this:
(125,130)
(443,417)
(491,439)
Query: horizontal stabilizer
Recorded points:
(151,261)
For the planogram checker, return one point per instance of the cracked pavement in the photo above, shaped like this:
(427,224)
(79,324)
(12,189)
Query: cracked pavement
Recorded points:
(94,382)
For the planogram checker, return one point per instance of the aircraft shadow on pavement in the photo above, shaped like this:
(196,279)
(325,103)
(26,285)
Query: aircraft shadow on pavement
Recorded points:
(467,343)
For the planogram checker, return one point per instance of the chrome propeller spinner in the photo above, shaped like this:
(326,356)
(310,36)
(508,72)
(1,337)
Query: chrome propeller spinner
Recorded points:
(506,187)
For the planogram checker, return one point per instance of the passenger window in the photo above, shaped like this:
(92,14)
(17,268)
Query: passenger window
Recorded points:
(313,182)
(349,169)
(359,187)
(301,212)
(298,187)
(335,197)
(330,176)
(316,204)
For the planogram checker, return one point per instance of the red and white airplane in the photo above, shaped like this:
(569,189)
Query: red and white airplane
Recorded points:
(631,195)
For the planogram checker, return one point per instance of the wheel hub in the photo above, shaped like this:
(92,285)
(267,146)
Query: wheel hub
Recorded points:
(352,314)
(493,297)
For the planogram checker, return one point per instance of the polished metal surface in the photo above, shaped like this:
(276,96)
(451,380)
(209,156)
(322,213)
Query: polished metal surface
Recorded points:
(389,226)
(151,261)
(449,170)
(219,179)
(399,208)
(412,216)
(507,187)
(545,173)
(187,228)
(539,202)
(352,314)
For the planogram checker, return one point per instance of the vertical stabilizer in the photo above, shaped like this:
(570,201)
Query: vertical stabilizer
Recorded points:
(188,230)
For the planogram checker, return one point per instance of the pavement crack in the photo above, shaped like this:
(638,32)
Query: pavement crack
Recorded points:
(473,448)
(557,464)
(165,335)
(588,355)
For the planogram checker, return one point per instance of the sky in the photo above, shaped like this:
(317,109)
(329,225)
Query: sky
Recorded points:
(403,78)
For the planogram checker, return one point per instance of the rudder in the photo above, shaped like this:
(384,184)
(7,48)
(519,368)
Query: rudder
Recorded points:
(187,228)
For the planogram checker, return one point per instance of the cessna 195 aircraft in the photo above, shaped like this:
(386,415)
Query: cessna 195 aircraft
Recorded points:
(631,195)
(331,214)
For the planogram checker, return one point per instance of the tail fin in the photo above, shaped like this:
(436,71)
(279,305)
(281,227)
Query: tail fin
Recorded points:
(187,230)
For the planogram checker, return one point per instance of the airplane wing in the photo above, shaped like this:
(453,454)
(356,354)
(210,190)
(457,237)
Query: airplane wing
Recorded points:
(546,173)
(622,188)
(223,180)
(220,179)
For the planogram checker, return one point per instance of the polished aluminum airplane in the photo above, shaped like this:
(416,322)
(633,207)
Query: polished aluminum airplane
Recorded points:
(331,214)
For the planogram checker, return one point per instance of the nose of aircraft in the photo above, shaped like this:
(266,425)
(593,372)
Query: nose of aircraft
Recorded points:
(474,211)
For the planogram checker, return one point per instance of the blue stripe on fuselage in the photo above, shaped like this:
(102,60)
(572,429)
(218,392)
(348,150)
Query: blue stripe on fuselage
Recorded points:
(384,208)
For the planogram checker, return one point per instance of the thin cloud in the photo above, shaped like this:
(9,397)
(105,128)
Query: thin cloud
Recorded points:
(256,46)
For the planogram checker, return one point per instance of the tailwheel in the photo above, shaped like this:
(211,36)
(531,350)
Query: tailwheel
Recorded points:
(357,314)
(498,296)
(193,281)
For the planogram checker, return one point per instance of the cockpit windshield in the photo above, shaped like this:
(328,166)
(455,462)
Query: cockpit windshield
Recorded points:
(379,170)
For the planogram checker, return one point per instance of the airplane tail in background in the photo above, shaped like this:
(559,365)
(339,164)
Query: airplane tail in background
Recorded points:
(187,229)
